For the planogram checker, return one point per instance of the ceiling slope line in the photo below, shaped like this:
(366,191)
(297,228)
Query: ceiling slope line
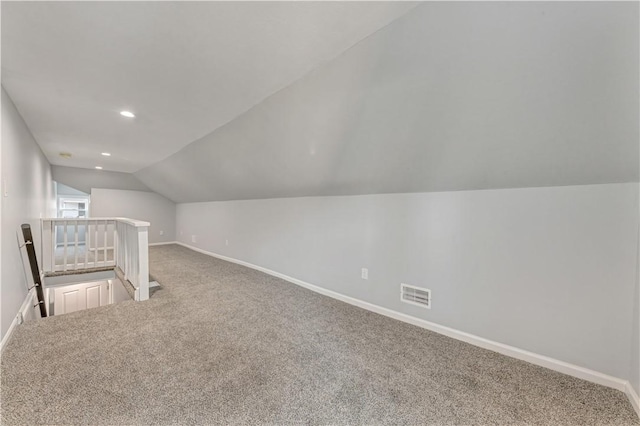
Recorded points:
(25,123)
(435,103)
(318,66)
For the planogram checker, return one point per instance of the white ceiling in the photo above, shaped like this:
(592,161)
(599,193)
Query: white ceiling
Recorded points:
(451,96)
(184,68)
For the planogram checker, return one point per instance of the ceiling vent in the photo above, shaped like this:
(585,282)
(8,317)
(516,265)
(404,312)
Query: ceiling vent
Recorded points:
(415,295)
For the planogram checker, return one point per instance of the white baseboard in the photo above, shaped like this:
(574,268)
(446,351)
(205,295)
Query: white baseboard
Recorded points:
(533,358)
(162,244)
(25,312)
(633,398)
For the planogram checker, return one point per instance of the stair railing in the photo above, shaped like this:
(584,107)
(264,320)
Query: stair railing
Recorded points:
(93,244)
(132,254)
(33,263)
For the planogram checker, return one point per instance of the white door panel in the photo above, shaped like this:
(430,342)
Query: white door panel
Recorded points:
(70,302)
(76,297)
(93,296)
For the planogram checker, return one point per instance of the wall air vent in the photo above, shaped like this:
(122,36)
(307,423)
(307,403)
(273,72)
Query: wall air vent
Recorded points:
(415,295)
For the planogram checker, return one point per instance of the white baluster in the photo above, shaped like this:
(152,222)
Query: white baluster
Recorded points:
(47,254)
(75,248)
(104,242)
(64,249)
(95,243)
(115,243)
(86,244)
(143,262)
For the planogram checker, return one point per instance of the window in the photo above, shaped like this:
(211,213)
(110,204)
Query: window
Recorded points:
(73,208)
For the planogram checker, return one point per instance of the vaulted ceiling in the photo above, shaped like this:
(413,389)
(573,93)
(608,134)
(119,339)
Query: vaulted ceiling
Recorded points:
(260,100)
(184,68)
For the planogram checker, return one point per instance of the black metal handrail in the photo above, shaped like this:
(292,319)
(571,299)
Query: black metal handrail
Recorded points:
(35,271)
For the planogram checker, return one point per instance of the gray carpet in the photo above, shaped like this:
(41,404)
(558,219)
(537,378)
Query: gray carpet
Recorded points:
(223,344)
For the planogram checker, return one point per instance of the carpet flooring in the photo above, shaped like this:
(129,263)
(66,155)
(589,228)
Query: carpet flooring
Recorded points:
(219,343)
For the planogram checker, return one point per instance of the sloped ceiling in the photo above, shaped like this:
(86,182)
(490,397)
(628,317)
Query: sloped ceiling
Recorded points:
(184,68)
(449,96)
(86,179)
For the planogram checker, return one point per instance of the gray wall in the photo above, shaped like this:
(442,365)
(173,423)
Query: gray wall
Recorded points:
(635,337)
(635,344)
(549,270)
(149,206)
(451,96)
(26,176)
(86,179)
(120,293)
(62,189)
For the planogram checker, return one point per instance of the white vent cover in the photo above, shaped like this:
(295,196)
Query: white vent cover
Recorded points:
(415,295)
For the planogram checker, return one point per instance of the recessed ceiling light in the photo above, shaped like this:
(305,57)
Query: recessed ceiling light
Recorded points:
(106,154)
(127,114)
(99,167)
(65,154)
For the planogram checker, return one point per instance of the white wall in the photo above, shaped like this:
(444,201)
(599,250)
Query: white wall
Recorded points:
(148,206)
(62,189)
(120,294)
(451,96)
(549,270)
(26,176)
(635,344)
(85,179)
(635,337)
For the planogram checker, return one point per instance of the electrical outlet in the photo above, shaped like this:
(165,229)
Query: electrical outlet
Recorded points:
(193,238)
(180,232)
(161,232)
(365,274)
(226,242)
